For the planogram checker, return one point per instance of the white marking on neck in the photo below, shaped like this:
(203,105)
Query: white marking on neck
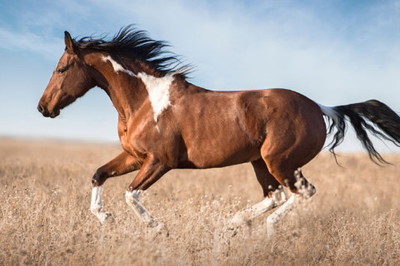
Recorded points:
(158,89)
(117,67)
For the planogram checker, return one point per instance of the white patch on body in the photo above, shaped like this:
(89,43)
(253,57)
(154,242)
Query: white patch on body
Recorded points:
(330,112)
(117,67)
(158,89)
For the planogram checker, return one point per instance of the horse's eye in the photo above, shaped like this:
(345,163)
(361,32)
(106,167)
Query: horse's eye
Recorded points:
(62,70)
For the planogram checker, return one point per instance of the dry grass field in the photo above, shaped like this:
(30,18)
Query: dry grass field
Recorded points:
(354,219)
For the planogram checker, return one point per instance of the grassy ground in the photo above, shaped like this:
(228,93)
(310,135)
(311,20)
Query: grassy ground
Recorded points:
(45,218)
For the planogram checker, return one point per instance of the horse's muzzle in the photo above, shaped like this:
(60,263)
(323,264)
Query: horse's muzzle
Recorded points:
(46,113)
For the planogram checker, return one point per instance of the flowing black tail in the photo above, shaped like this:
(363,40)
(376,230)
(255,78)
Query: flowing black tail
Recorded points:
(384,118)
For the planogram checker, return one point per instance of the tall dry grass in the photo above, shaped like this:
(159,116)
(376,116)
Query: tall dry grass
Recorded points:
(45,219)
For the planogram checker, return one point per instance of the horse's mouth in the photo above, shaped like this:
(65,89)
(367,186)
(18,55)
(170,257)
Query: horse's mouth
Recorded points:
(54,114)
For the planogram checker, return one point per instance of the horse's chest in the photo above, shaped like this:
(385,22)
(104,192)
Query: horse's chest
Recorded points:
(122,130)
(132,146)
(139,138)
(124,142)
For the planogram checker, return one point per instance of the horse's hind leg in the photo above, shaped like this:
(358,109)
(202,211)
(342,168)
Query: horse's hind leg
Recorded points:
(284,164)
(273,195)
(294,136)
(270,186)
(300,187)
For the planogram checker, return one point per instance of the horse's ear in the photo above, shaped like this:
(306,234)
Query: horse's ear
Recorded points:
(70,46)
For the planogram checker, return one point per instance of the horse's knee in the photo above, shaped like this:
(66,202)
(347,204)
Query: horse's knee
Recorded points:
(99,177)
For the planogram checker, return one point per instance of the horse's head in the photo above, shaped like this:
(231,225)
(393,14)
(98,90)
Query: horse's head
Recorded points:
(71,79)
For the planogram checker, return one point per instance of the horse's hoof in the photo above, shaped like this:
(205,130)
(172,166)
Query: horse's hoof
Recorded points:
(158,228)
(106,218)
(109,218)
(162,229)
(232,232)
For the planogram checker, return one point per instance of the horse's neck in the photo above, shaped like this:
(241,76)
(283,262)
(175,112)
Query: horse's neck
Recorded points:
(126,96)
(119,83)
(130,86)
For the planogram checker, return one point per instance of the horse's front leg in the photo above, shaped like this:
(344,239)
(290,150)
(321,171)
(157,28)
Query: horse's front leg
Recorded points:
(151,170)
(122,164)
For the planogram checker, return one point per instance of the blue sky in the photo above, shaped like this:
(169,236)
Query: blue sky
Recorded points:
(335,52)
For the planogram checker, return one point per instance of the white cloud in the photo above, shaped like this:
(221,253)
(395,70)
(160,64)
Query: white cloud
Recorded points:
(28,41)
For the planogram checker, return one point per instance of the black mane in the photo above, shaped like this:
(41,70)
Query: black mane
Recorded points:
(135,43)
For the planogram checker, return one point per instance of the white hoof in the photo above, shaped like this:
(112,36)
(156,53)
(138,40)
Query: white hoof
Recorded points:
(231,231)
(104,217)
(158,228)
(108,218)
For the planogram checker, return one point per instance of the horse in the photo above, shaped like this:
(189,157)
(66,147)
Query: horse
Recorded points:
(165,122)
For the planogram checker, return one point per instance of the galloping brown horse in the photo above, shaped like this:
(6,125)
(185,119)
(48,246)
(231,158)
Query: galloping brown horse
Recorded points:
(166,123)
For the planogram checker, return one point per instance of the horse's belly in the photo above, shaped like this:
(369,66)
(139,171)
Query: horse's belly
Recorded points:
(222,152)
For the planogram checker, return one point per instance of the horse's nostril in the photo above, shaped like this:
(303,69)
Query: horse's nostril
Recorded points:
(40,108)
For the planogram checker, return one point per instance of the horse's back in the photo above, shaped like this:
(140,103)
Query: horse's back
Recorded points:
(224,128)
